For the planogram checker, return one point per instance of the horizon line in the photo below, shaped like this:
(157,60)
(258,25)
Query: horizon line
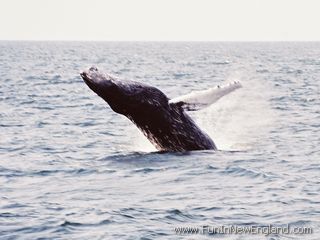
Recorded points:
(121,40)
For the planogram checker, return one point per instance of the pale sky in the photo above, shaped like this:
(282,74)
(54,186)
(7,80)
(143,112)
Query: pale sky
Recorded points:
(175,20)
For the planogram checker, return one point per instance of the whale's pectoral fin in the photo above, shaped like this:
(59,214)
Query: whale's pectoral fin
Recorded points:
(200,99)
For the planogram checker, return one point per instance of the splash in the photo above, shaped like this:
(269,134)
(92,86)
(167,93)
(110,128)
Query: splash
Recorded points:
(139,142)
(240,120)
(237,122)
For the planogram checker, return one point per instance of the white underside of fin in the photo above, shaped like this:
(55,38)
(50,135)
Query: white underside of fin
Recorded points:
(197,100)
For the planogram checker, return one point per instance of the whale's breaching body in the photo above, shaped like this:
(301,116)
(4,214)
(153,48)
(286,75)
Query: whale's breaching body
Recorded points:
(163,121)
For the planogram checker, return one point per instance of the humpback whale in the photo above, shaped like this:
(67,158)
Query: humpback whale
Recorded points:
(163,121)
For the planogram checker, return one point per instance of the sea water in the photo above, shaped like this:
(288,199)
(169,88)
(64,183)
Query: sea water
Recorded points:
(71,168)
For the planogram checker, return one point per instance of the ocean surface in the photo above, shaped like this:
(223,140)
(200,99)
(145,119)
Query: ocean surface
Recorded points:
(71,168)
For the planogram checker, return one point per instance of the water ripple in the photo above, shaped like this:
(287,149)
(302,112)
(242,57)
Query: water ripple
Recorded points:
(71,168)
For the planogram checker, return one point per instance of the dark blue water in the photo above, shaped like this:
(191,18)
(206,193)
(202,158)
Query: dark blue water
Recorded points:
(71,168)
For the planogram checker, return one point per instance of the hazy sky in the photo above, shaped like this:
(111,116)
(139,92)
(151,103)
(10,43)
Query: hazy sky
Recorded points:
(204,20)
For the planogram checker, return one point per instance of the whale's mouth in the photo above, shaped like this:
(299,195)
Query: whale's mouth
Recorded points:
(92,76)
(96,81)
(86,78)
(90,82)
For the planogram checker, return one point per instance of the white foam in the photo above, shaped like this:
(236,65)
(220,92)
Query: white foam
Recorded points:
(139,142)
(239,120)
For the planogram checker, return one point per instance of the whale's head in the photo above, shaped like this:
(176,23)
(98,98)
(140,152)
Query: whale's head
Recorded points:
(125,97)
(99,82)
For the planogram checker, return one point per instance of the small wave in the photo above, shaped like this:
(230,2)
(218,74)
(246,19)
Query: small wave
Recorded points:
(147,170)
(135,157)
(211,167)
(243,172)
(5,172)
(80,171)
(14,205)
(300,223)
(177,215)
(11,125)
(207,209)
(181,75)
(67,223)
(220,63)
(19,173)
(10,215)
